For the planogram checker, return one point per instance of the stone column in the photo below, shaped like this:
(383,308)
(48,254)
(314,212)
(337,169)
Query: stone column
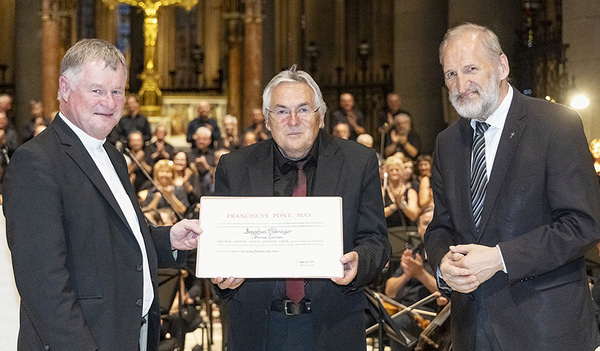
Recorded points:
(234,38)
(340,33)
(28,50)
(212,39)
(50,54)
(419,26)
(252,59)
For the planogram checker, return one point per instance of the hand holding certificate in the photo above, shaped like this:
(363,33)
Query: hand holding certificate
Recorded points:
(271,237)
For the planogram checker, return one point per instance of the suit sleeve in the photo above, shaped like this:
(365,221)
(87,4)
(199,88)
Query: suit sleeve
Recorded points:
(371,241)
(36,237)
(439,234)
(574,200)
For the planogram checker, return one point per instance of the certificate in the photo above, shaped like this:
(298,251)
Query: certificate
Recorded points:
(270,237)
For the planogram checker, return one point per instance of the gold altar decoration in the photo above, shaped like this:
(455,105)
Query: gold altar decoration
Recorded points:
(150,96)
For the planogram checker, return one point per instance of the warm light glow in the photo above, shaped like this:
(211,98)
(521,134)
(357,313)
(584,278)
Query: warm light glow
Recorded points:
(580,102)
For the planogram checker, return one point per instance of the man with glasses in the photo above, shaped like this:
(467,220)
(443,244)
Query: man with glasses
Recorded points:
(330,312)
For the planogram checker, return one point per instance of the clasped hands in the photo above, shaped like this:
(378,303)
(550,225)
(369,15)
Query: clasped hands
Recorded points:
(465,267)
(349,260)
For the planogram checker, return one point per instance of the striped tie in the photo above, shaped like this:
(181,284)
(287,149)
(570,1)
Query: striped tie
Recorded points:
(478,171)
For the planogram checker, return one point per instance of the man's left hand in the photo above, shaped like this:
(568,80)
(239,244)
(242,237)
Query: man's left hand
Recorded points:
(350,262)
(184,234)
(481,261)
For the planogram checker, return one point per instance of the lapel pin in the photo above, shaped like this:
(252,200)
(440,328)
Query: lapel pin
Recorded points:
(512,135)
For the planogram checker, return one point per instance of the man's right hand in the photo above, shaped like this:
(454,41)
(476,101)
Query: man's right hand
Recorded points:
(227,283)
(457,277)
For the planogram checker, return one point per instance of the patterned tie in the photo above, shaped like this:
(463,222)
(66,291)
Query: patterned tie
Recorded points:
(478,171)
(294,287)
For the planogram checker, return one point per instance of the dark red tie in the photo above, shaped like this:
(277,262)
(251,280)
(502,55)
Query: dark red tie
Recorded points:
(294,287)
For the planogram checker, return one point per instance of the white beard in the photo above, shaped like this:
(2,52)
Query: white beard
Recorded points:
(478,108)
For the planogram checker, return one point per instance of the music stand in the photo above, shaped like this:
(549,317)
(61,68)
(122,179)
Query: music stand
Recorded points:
(402,238)
(385,323)
(168,287)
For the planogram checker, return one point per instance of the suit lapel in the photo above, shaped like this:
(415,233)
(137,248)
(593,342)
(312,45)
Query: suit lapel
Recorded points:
(509,140)
(260,170)
(116,158)
(329,167)
(75,149)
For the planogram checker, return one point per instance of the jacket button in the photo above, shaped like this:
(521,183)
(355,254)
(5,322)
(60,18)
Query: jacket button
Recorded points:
(139,267)
(46,347)
(139,302)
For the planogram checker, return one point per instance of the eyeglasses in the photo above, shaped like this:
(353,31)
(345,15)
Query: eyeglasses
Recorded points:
(282,113)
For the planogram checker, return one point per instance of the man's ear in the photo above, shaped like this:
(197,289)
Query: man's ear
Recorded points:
(268,124)
(504,67)
(63,87)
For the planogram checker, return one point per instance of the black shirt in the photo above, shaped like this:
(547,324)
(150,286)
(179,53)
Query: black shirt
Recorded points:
(285,176)
(285,173)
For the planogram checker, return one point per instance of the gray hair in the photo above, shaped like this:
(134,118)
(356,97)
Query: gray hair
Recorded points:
(485,35)
(87,50)
(365,139)
(230,117)
(293,75)
(204,131)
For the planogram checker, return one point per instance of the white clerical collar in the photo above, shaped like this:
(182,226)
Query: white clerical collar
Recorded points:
(498,117)
(88,141)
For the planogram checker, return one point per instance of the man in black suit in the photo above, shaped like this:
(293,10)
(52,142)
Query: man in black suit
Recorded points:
(84,258)
(330,316)
(510,250)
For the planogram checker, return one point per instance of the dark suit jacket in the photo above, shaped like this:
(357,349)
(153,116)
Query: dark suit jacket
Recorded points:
(346,169)
(77,264)
(541,207)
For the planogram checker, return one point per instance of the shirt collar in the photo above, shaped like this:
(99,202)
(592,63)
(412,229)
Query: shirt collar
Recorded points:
(285,164)
(88,141)
(498,117)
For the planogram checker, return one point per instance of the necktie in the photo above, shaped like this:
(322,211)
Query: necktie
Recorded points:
(478,171)
(294,287)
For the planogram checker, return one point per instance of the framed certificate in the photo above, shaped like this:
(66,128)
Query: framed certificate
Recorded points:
(270,237)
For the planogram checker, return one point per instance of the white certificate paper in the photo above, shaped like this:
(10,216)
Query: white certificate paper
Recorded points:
(270,237)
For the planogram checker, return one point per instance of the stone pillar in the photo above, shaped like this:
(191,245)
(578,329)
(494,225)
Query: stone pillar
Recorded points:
(212,39)
(340,33)
(234,38)
(252,59)
(50,54)
(28,50)
(419,27)
(7,28)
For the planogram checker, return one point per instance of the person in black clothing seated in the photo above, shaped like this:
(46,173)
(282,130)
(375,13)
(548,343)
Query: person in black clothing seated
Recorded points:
(413,281)
(133,121)
(160,149)
(203,120)
(400,199)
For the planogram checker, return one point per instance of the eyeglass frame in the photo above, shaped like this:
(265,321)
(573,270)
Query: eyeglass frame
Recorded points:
(294,111)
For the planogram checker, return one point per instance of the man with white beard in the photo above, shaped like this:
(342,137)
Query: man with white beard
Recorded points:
(517,206)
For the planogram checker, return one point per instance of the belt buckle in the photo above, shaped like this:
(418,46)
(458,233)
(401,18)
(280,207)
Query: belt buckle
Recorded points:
(291,308)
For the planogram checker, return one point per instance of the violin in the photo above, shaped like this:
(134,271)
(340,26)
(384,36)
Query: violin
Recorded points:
(437,334)
(422,322)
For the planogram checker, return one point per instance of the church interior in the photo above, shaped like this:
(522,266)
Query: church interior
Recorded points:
(181,52)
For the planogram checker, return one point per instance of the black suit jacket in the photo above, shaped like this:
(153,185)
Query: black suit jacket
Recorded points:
(77,264)
(346,169)
(542,207)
